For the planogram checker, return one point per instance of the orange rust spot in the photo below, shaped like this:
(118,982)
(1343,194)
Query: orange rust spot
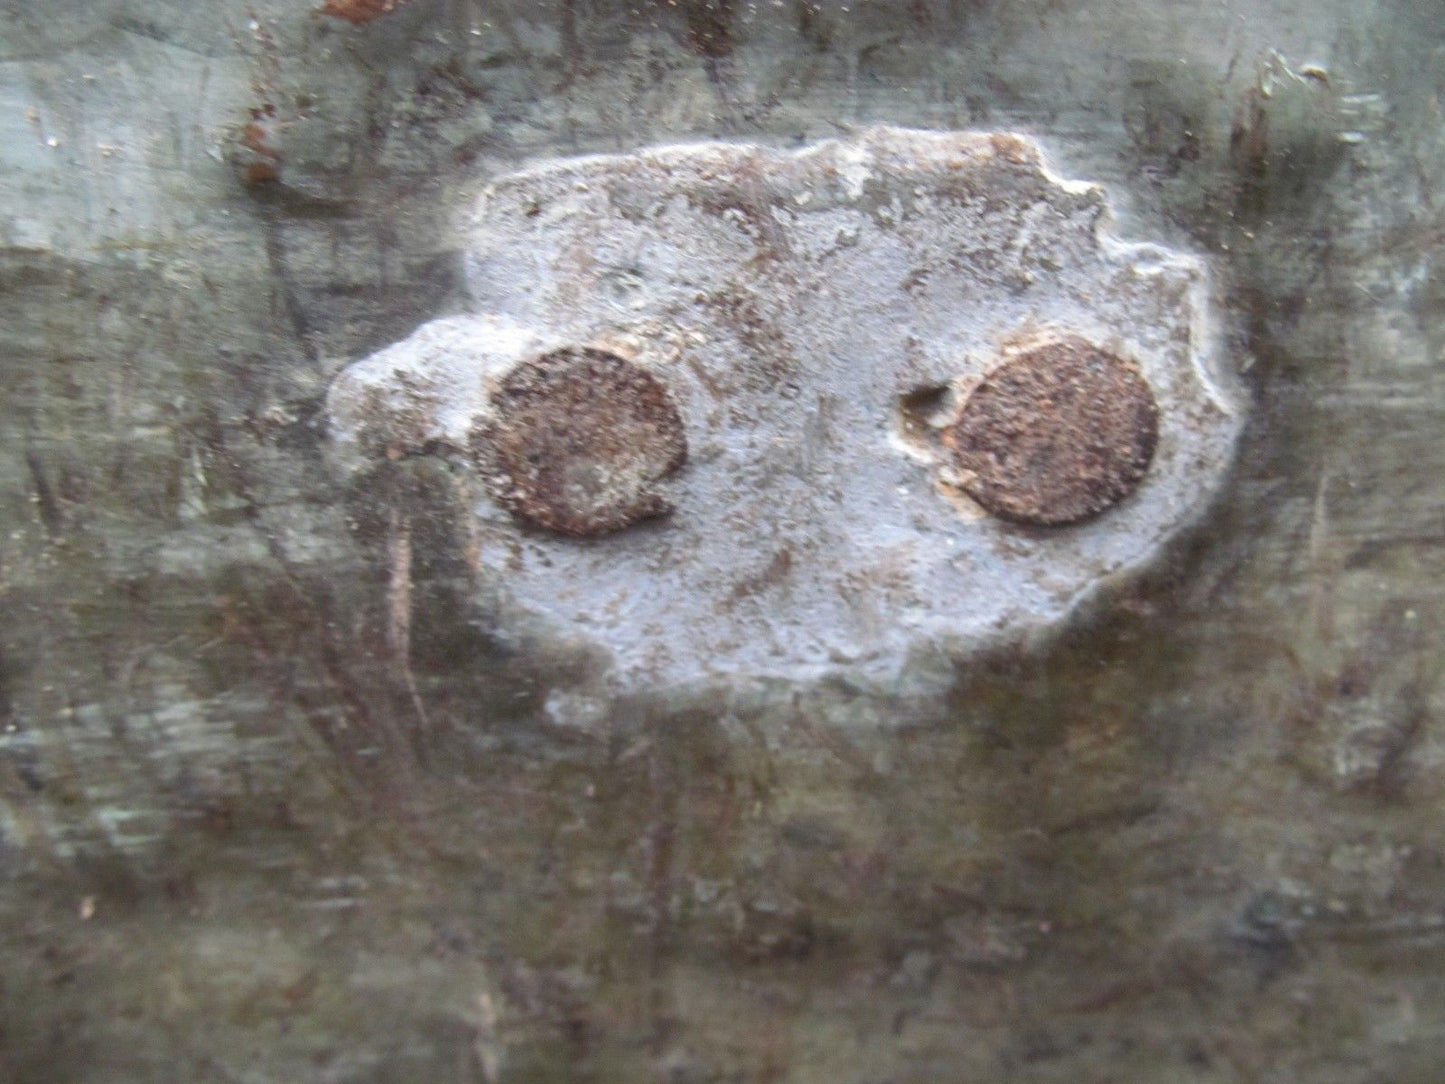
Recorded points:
(359,12)
(262,163)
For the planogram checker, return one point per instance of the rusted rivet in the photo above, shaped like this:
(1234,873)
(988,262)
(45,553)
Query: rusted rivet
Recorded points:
(577,440)
(1056,434)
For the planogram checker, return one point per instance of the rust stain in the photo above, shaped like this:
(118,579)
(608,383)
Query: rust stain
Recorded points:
(776,572)
(261,156)
(359,12)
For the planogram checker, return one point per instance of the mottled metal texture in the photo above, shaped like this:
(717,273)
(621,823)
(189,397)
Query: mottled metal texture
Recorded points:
(282,800)
(794,303)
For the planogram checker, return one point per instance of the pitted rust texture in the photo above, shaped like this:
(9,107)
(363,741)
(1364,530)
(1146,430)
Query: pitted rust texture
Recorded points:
(577,440)
(1056,435)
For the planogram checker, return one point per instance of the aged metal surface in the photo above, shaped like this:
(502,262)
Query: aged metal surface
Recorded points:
(793,301)
(282,799)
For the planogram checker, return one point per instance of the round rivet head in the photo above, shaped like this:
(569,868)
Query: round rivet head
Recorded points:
(577,440)
(1055,435)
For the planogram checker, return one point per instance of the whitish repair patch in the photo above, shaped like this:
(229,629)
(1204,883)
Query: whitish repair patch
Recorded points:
(744,412)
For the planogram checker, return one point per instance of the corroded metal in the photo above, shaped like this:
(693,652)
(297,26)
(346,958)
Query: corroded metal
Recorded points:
(818,318)
(1056,435)
(577,441)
